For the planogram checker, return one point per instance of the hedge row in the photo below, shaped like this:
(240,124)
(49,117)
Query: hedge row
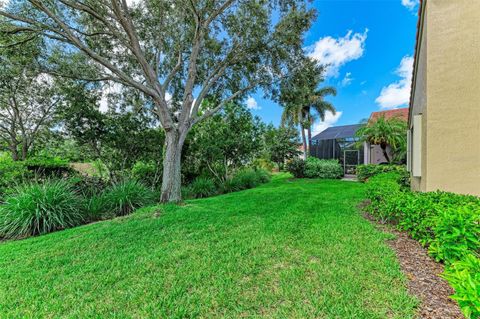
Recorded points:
(448,224)
(315,168)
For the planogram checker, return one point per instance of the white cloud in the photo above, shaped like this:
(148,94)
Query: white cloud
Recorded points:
(330,120)
(398,93)
(108,89)
(131,3)
(336,52)
(252,104)
(410,4)
(347,79)
(4,3)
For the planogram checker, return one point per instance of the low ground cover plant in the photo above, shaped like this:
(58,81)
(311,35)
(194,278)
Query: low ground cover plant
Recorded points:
(448,224)
(315,168)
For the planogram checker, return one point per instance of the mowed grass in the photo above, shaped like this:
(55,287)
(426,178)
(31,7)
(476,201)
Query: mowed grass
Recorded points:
(287,249)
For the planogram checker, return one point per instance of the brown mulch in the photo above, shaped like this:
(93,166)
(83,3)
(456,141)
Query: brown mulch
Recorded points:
(423,275)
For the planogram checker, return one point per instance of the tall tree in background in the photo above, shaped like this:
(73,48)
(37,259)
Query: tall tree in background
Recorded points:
(224,142)
(29,98)
(386,132)
(281,144)
(192,50)
(304,100)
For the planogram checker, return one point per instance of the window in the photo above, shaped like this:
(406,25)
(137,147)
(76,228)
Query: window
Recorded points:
(417,146)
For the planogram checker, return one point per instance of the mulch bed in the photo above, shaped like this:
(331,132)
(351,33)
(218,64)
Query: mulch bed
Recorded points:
(423,275)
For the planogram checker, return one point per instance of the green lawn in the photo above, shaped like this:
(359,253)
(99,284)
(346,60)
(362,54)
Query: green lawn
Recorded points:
(287,249)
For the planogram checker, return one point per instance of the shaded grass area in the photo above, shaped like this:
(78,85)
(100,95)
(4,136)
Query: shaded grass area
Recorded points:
(287,249)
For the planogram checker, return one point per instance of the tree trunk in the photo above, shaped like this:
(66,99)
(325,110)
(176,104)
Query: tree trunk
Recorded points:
(14,151)
(309,130)
(172,178)
(384,149)
(24,150)
(304,141)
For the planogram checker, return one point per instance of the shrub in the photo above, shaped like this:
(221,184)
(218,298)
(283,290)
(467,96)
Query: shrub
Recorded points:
(35,209)
(123,198)
(449,224)
(245,179)
(296,167)
(456,233)
(11,173)
(263,176)
(464,277)
(230,185)
(364,172)
(265,164)
(321,168)
(380,188)
(202,187)
(149,173)
(421,214)
(47,167)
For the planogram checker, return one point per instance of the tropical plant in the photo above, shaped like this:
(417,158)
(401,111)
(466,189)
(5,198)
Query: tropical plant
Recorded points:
(35,209)
(304,101)
(385,132)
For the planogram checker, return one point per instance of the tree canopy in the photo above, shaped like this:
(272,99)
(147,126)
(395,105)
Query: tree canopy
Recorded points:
(189,50)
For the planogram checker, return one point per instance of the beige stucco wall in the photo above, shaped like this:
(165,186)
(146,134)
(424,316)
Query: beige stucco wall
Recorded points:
(450,98)
(419,105)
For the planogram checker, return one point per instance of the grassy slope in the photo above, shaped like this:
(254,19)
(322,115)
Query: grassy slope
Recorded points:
(288,249)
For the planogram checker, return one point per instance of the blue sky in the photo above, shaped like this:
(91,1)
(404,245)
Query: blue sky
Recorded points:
(369,45)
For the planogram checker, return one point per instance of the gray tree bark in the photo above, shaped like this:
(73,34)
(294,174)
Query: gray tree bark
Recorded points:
(172,175)
(304,141)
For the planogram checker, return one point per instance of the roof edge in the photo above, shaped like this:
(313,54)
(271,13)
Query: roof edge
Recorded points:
(420,23)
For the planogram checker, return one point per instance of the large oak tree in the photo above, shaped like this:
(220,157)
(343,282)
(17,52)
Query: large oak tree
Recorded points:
(190,49)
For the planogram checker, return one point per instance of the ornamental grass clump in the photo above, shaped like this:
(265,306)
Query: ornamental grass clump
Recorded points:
(202,187)
(35,209)
(123,198)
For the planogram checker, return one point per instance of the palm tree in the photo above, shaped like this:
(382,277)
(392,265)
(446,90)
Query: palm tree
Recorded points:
(319,106)
(385,132)
(303,101)
(293,114)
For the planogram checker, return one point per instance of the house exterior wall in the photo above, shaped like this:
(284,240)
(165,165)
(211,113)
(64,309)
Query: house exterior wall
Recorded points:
(375,154)
(447,95)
